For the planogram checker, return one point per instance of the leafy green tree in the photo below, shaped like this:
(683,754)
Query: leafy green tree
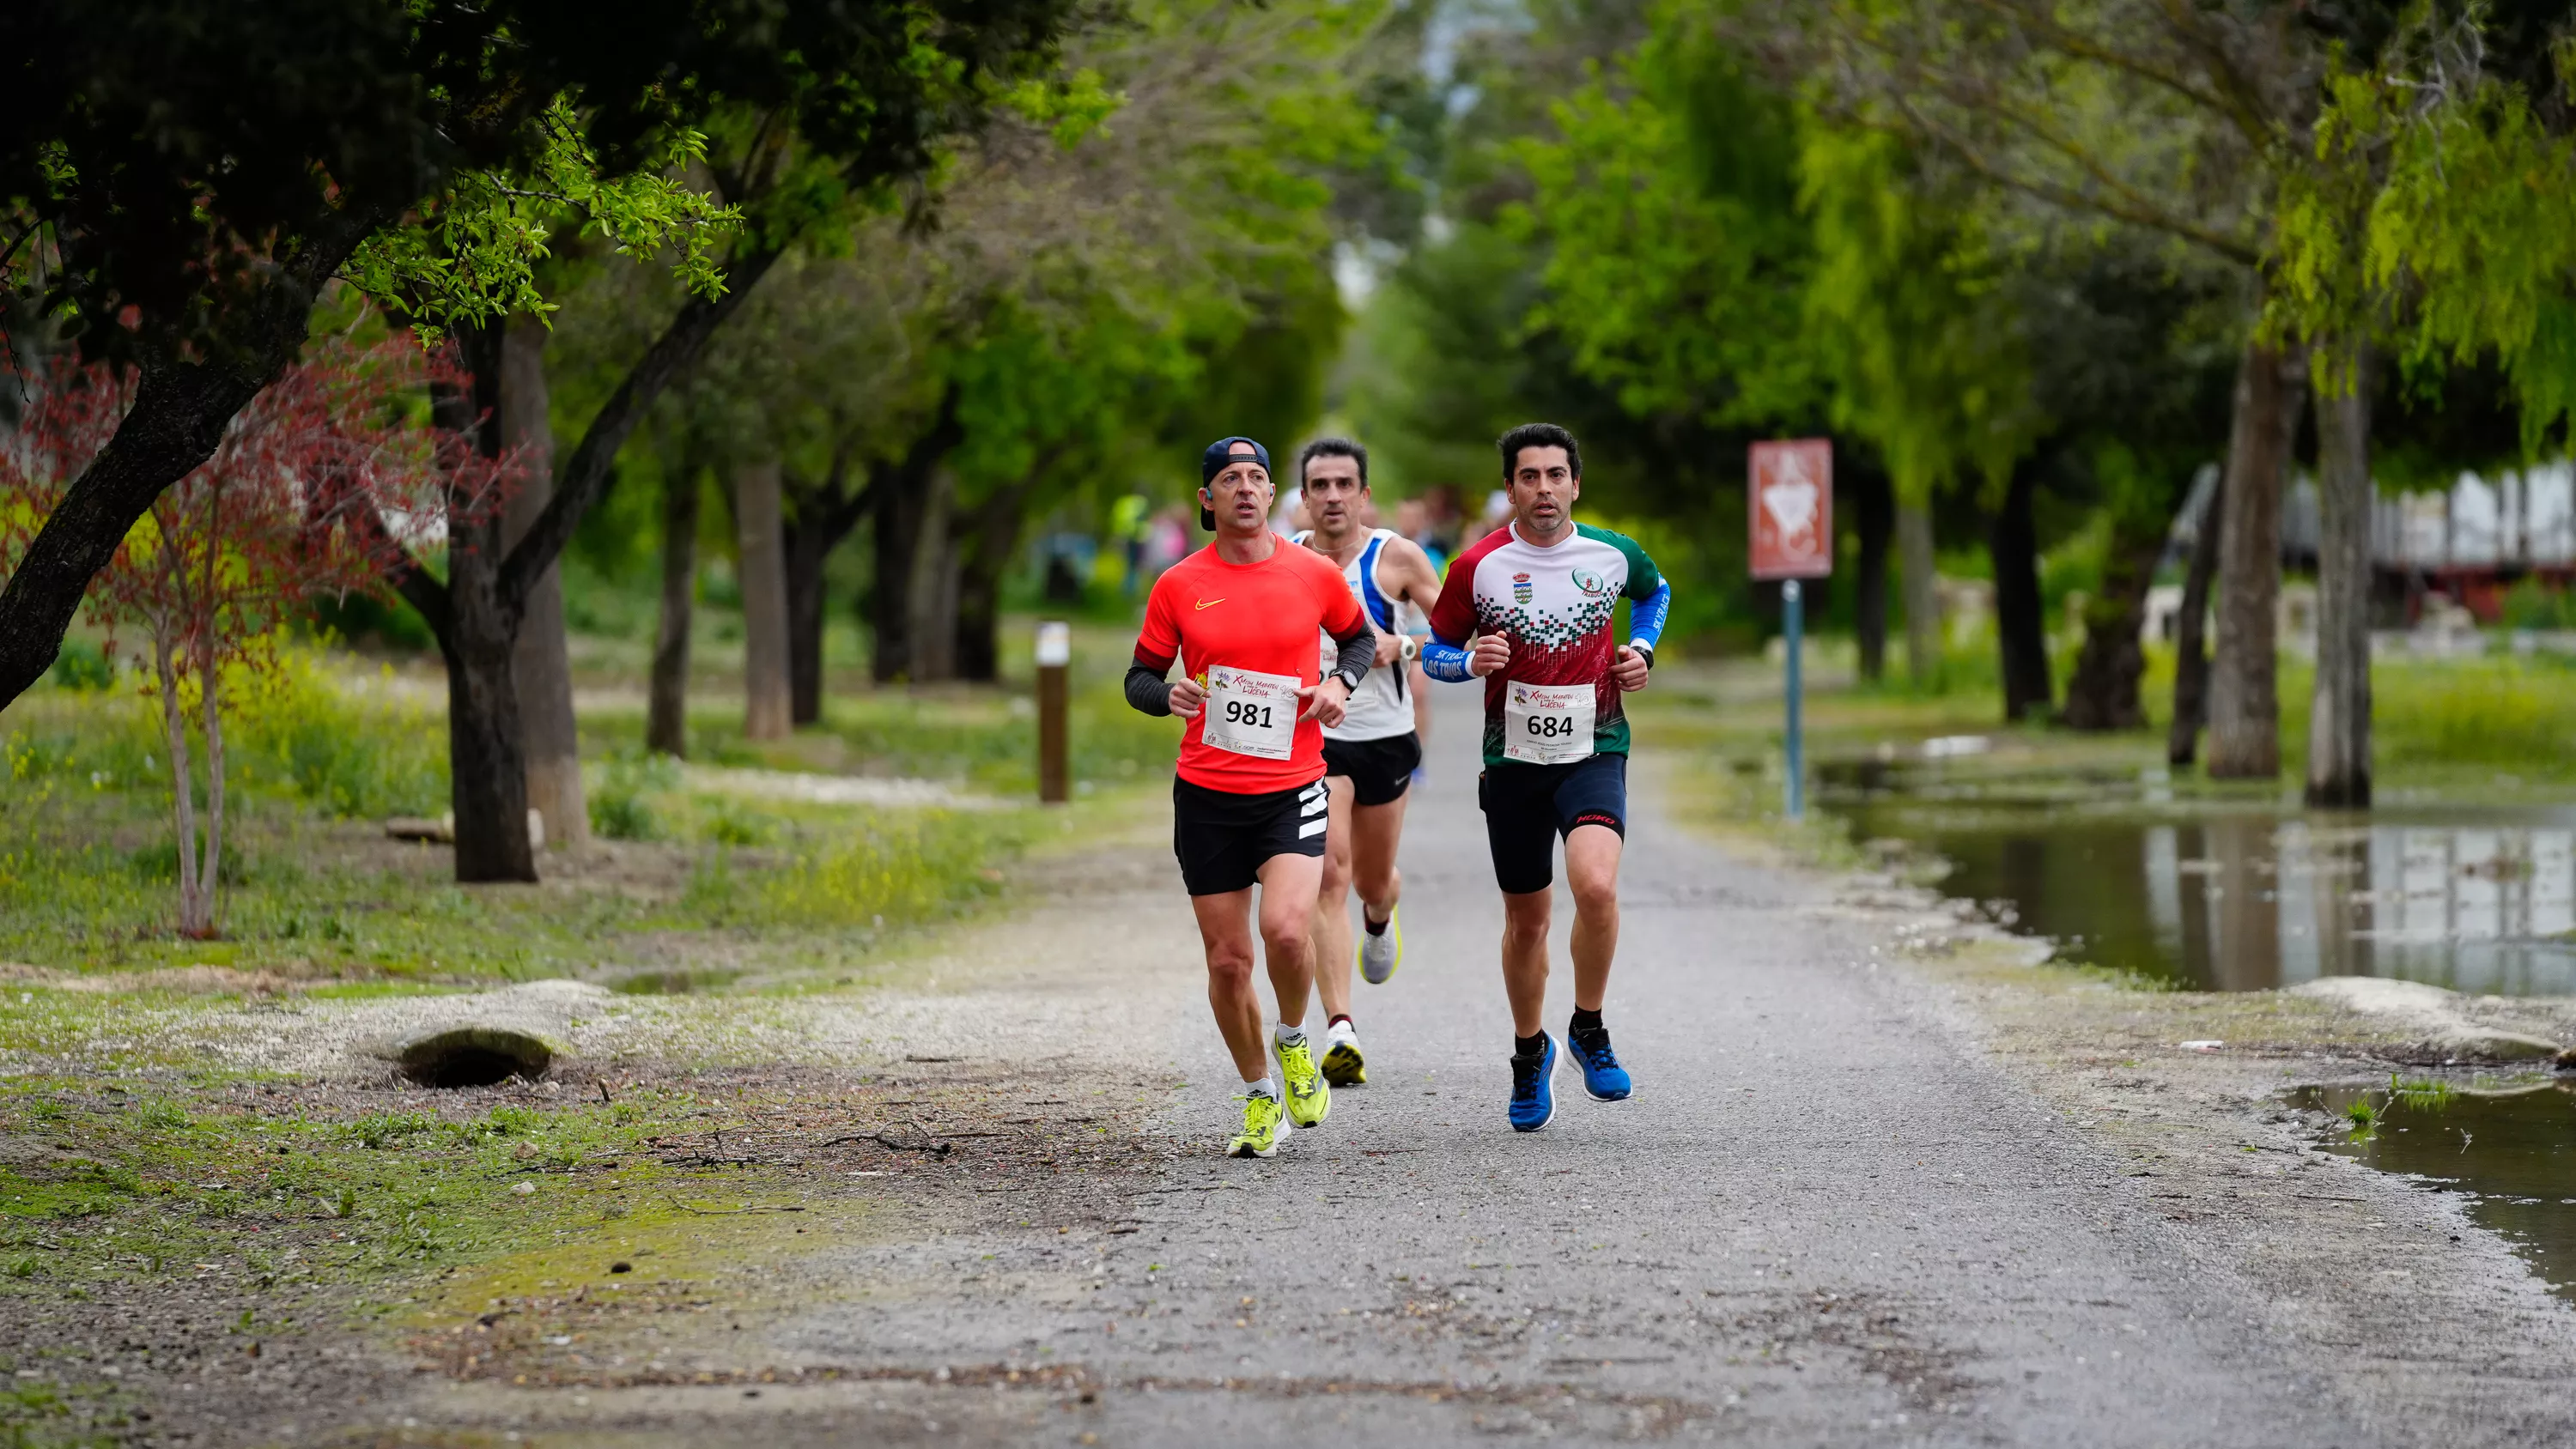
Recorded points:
(179,183)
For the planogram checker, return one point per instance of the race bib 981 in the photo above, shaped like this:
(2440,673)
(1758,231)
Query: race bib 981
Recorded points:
(1250,713)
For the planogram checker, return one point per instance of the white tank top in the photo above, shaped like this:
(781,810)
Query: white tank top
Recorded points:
(1382,707)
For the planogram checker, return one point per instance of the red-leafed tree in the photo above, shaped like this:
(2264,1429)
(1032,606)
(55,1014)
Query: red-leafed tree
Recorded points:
(321,485)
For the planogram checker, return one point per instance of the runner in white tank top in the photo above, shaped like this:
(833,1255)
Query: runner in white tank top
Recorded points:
(1382,707)
(1370,757)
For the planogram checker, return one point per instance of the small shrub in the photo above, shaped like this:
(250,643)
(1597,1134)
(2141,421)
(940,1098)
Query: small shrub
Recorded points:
(82,666)
(619,809)
(732,824)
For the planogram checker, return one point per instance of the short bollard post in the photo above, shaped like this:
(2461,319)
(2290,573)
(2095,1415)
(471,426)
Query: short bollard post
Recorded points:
(1055,652)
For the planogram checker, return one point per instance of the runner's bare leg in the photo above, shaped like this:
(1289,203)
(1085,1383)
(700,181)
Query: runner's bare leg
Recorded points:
(1288,887)
(1225,928)
(1592,875)
(1525,920)
(1333,905)
(1376,830)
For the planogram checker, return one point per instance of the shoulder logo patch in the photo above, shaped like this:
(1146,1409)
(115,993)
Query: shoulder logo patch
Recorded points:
(1592,584)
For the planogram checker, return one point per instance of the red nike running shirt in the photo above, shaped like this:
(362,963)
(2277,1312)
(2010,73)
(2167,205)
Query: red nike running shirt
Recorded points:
(1262,617)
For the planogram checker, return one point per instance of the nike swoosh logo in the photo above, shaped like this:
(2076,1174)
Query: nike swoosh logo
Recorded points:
(1203,603)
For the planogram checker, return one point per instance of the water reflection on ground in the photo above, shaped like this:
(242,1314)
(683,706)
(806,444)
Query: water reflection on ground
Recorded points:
(2229,896)
(2512,1149)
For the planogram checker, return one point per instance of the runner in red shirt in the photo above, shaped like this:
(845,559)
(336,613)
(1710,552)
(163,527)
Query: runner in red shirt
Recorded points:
(1248,798)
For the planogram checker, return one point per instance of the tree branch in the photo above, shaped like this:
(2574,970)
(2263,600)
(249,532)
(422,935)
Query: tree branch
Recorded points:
(178,418)
(585,476)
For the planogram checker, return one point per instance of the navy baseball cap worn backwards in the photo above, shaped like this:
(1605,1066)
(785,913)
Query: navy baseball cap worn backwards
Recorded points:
(1213,462)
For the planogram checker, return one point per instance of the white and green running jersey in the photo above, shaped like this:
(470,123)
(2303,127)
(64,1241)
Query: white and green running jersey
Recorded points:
(1555,703)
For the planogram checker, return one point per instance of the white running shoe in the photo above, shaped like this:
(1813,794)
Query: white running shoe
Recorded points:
(1382,953)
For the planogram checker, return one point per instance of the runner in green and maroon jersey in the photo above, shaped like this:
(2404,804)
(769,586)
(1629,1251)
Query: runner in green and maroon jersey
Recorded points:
(1538,597)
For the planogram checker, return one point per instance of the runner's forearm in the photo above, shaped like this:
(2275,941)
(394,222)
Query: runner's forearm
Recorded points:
(1147,690)
(1359,651)
(1445,661)
(1646,618)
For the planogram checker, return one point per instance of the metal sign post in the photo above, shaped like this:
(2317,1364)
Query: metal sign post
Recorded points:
(1790,495)
(1055,653)
(1792,626)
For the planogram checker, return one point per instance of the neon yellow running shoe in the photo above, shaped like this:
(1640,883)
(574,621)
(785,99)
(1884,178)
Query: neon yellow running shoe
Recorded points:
(1310,1097)
(1344,1065)
(1380,954)
(1260,1135)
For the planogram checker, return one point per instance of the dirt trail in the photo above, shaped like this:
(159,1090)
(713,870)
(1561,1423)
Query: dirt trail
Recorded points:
(1865,1195)
(1883,1183)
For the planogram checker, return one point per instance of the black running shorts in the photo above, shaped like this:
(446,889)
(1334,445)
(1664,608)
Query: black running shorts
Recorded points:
(1528,806)
(1379,770)
(1223,840)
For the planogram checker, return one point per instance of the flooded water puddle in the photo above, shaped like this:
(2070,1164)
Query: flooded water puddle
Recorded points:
(2227,895)
(2508,1145)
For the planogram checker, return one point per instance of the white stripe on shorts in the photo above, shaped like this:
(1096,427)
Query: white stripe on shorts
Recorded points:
(1312,827)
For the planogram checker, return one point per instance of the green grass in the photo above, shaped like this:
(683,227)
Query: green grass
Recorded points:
(2476,730)
(295,1195)
(313,889)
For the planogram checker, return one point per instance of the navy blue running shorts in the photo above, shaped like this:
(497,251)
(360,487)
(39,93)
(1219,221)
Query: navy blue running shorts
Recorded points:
(1528,806)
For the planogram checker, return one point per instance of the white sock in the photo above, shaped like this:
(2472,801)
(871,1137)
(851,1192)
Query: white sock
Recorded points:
(1263,1088)
(1287,1035)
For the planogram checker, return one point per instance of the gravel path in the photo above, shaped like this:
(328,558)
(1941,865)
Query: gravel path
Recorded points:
(1830,1216)
(1824,1219)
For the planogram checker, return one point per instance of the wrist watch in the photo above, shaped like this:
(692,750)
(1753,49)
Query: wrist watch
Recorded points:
(1350,681)
(1647,650)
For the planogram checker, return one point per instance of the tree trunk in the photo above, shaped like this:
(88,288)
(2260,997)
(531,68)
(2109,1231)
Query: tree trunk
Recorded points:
(183,803)
(984,563)
(896,504)
(2339,722)
(540,661)
(2244,703)
(1922,600)
(762,549)
(1877,520)
(898,529)
(2102,694)
(486,764)
(2191,649)
(807,548)
(819,516)
(666,725)
(2021,623)
(210,866)
(933,588)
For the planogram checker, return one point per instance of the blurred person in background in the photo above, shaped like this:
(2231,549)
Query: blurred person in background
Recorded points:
(1167,540)
(1129,520)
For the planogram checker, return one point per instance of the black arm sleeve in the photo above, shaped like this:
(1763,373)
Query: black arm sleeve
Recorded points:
(1147,690)
(1359,651)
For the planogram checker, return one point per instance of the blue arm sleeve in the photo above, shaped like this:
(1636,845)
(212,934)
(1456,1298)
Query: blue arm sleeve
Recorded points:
(1646,616)
(1445,661)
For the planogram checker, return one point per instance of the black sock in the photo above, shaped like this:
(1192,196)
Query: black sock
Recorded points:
(1375,928)
(1584,1021)
(1527,1046)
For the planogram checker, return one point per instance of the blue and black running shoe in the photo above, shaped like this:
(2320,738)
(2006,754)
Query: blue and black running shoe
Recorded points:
(1533,1087)
(1603,1077)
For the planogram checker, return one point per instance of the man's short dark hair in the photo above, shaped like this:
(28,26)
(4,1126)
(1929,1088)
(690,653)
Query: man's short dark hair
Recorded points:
(1332,448)
(1539,435)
